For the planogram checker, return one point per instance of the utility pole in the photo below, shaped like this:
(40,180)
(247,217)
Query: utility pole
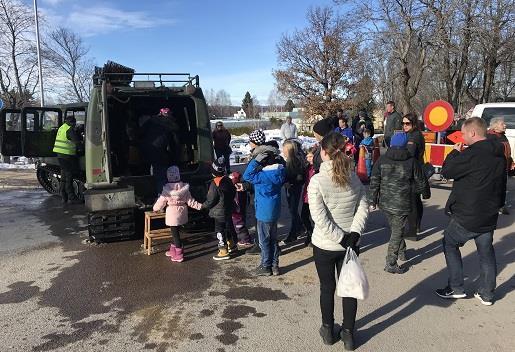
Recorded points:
(38,48)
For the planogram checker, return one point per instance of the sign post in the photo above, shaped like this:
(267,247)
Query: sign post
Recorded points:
(438,117)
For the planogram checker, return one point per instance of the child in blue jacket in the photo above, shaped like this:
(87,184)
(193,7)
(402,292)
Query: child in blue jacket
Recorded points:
(267,173)
(368,143)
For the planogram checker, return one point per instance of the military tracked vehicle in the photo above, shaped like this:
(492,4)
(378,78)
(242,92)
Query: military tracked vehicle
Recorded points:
(115,180)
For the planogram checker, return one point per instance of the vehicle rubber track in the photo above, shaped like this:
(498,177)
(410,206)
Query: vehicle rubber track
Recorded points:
(48,177)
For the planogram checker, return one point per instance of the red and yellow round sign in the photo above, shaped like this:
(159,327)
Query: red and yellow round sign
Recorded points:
(438,116)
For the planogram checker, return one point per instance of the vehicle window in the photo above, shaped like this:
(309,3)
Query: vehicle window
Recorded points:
(507,112)
(32,121)
(12,121)
(50,120)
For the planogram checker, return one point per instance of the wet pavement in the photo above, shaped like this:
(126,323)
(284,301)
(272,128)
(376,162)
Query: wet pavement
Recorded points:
(59,292)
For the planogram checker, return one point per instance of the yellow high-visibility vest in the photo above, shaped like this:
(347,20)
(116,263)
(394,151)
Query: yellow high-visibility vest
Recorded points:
(62,144)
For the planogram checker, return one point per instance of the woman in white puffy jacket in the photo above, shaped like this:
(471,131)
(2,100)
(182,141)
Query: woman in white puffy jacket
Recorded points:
(337,200)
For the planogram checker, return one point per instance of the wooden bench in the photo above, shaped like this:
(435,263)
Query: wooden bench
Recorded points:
(157,234)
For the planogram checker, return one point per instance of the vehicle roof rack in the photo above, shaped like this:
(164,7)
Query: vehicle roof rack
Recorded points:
(119,75)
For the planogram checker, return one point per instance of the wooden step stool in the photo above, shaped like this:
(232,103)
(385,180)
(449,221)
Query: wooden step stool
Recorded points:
(157,234)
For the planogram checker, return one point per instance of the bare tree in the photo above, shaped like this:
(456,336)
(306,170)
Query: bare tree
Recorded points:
(69,57)
(316,64)
(405,29)
(18,63)
(222,102)
(495,44)
(454,28)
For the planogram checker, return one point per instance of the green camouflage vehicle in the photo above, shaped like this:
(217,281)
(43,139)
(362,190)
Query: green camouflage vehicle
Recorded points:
(115,179)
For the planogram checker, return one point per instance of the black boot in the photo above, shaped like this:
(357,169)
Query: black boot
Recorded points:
(328,334)
(348,339)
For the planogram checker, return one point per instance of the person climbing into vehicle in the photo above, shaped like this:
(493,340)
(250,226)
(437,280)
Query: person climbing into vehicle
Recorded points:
(65,147)
(160,144)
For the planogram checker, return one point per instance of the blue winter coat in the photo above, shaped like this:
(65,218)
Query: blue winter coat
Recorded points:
(346,132)
(267,182)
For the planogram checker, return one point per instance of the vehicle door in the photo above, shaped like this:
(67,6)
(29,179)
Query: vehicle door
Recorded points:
(10,132)
(39,127)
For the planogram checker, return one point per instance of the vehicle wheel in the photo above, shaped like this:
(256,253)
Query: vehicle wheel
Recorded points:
(49,179)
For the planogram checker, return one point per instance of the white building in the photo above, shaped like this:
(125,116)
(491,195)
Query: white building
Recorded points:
(240,115)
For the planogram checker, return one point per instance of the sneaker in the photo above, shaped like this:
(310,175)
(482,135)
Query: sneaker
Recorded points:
(484,301)
(223,254)
(448,292)
(262,271)
(275,271)
(395,269)
(402,257)
(289,239)
(245,244)
(255,250)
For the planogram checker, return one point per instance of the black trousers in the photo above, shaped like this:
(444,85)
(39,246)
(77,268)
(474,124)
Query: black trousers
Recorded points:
(224,229)
(415,217)
(69,167)
(176,237)
(327,262)
(305,214)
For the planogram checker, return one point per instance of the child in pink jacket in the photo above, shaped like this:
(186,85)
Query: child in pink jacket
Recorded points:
(176,198)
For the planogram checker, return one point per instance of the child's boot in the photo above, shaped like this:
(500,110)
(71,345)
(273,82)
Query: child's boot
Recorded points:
(232,247)
(179,255)
(223,254)
(171,251)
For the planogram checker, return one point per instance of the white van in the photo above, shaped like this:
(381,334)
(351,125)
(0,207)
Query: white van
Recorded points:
(507,110)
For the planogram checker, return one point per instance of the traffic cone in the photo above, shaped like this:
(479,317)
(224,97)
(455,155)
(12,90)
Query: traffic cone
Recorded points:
(376,152)
(361,170)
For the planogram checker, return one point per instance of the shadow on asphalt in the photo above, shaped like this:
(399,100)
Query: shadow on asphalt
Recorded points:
(423,294)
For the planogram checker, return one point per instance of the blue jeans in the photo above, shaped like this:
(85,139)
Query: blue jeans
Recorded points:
(293,196)
(454,237)
(267,234)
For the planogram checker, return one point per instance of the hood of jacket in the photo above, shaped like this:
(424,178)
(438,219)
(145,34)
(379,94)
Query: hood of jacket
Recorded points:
(264,149)
(397,154)
(176,189)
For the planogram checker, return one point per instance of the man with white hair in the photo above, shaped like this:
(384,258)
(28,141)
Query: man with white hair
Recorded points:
(288,130)
(497,132)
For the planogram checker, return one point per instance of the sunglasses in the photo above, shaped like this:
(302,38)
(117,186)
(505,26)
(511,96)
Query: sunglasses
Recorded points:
(406,123)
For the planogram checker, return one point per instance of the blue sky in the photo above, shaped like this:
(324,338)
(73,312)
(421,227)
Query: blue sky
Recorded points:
(230,44)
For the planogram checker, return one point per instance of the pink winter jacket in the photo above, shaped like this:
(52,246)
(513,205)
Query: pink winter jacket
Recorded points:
(176,196)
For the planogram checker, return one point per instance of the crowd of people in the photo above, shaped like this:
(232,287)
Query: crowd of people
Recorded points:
(336,203)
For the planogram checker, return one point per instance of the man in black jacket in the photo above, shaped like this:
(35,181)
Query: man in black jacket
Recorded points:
(395,176)
(478,192)
(393,122)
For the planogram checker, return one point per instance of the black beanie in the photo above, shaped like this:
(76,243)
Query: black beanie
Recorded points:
(323,127)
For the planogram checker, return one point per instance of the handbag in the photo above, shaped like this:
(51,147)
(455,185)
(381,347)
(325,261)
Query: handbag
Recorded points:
(352,281)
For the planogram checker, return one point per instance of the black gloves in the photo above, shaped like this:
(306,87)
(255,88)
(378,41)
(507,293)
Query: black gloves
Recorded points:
(351,240)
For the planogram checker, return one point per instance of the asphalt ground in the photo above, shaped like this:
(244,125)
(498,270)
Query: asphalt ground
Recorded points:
(59,292)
